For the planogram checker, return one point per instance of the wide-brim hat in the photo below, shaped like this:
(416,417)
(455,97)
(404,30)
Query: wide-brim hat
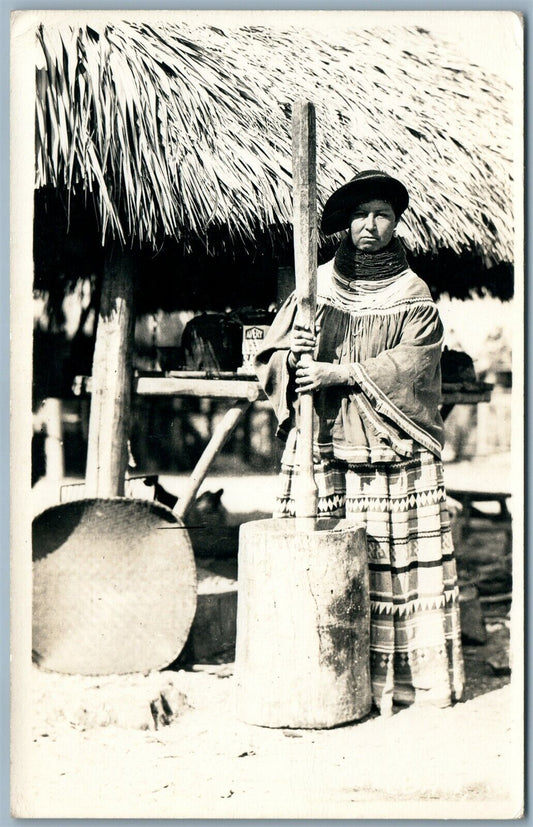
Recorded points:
(366,185)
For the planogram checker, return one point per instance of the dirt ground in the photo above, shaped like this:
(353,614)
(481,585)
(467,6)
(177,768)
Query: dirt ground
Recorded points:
(170,744)
(94,752)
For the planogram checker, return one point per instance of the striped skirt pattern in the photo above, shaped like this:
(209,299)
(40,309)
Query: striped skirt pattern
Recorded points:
(415,644)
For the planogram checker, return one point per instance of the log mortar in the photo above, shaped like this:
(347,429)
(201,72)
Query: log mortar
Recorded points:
(303,624)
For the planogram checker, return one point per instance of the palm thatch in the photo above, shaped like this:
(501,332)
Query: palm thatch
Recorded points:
(175,130)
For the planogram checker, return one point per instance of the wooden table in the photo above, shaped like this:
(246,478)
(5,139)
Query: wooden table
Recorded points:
(466,393)
(241,389)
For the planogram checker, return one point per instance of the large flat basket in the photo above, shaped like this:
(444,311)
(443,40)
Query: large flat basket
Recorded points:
(114,586)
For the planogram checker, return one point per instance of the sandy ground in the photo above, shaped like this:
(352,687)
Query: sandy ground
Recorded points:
(88,757)
(94,747)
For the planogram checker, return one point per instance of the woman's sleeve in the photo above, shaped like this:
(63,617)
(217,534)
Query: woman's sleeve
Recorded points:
(271,364)
(404,382)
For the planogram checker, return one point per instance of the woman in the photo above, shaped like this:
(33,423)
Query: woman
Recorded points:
(375,375)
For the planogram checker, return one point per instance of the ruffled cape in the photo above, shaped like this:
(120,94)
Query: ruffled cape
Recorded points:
(390,334)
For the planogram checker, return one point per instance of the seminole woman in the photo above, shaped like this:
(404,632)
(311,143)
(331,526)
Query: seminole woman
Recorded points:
(376,379)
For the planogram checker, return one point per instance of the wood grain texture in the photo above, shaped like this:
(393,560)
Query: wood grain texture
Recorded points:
(191,386)
(109,422)
(304,208)
(305,264)
(303,624)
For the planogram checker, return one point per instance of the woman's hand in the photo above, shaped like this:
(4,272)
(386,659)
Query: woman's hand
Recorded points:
(302,341)
(312,375)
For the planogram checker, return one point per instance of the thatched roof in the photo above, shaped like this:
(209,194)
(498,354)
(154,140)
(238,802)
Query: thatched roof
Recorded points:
(175,128)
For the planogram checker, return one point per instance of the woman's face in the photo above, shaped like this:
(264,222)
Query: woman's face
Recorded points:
(372,225)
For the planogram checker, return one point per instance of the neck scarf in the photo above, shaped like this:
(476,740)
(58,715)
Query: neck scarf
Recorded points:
(354,264)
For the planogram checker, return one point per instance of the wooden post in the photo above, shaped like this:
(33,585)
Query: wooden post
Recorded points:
(107,454)
(305,265)
(53,444)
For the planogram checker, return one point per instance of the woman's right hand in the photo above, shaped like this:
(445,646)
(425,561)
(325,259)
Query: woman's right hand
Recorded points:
(302,340)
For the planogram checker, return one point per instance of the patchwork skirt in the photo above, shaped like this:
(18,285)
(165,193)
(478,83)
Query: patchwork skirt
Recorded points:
(415,633)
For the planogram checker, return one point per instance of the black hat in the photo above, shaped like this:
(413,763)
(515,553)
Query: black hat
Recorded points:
(369,184)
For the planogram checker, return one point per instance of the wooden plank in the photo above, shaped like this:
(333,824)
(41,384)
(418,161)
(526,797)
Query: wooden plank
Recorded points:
(210,374)
(466,387)
(305,265)
(479,496)
(462,398)
(215,388)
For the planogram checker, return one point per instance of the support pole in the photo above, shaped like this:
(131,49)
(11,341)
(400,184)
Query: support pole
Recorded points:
(53,444)
(221,434)
(107,454)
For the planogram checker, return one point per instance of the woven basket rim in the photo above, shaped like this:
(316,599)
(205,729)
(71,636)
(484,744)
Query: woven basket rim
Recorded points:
(151,505)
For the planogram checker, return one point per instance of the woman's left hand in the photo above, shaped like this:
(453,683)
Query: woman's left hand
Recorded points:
(315,375)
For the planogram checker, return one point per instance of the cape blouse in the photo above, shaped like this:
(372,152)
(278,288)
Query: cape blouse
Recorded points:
(390,334)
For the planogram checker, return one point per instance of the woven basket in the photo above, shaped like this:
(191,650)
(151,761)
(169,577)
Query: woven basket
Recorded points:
(114,587)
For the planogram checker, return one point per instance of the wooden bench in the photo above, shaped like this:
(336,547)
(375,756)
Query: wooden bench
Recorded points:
(502,518)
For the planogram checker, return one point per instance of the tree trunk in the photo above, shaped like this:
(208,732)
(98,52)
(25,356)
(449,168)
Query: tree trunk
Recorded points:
(107,452)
